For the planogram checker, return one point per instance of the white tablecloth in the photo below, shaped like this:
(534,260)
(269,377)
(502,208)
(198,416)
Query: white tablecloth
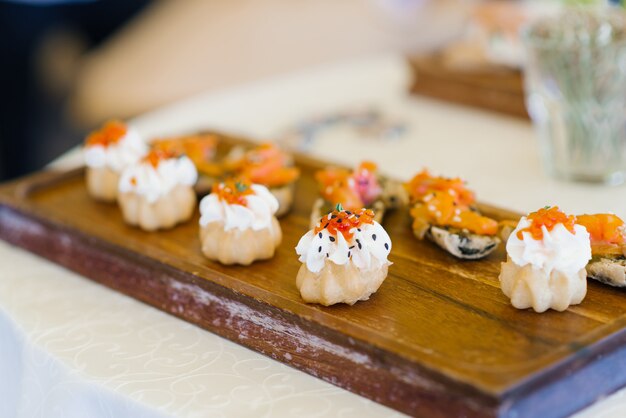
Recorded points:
(71,348)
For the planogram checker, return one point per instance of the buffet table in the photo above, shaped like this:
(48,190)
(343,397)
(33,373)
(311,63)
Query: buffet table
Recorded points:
(72,348)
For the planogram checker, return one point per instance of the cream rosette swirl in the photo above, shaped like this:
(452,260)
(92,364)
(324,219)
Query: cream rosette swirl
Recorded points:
(345,258)
(157,192)
(547,254)
(238,223)
(107,152)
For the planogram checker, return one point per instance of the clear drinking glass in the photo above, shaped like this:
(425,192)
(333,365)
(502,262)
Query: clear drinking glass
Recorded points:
(575,80)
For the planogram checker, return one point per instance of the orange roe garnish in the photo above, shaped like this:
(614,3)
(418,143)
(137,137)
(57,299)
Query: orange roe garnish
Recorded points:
(233,192)
(344,221)
(440,208)
(110,133)
(423,183)
(266,164)
(604,228)
(199,148)
(550,216)
(155,157)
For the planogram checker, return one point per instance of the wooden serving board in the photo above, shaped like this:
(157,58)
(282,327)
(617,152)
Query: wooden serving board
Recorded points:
(491,87)
(438,339)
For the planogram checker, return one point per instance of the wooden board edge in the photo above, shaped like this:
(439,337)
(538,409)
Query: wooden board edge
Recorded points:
(591,374)
(494,89)
(338,359)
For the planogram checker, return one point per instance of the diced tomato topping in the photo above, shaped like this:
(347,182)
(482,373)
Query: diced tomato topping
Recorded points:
(547,217)
(353,189)
(155,156)
(199,148)
(233,192)
(344,221)
(440,208)
(266,164)
(604,228)
(423,183)
(110,133)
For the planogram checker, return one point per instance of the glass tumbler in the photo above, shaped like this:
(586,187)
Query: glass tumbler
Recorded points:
(575,83)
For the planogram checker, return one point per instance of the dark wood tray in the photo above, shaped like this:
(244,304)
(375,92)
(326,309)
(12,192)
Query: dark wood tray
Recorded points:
(438,339)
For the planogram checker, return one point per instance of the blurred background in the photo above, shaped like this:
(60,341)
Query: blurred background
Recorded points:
(69,65)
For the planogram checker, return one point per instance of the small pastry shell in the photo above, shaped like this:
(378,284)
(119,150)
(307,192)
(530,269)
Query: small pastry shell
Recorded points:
(530,287)
(284,195)
(339,283)
(102,183)
(237,246)
(173,208)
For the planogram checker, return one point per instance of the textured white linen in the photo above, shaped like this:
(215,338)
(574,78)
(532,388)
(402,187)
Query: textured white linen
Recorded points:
(72,348)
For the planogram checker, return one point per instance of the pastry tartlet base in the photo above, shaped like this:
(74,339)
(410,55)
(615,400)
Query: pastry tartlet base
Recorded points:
(175,207)
(102,183)
(530,287)
(336,283)
(284,195)
(238,246)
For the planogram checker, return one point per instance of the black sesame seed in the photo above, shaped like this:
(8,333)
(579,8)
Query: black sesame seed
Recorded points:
(351,247)
(319,250)
(327,255)
(332,239)
(320,235)
(338,221)
(333,217)
(348,212)
(358,229)
(374,237)
(325,226)
(386,246)
(349,254)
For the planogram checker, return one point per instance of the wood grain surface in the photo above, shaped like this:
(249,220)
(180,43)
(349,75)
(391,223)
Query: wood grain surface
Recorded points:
(438,339)
(493,88)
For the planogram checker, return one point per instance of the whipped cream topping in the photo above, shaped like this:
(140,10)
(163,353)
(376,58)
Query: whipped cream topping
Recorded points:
(257,213)
(559,249)
(152,182)
(128,150)
(368,248)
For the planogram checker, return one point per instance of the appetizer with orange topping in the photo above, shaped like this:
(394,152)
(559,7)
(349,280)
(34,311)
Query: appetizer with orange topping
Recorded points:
(546,258)
(361,187)
(238,223)
(442,210)
(608,262)
(108,151)
(200,149)
(157,192)
(344,258)
(266,165)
